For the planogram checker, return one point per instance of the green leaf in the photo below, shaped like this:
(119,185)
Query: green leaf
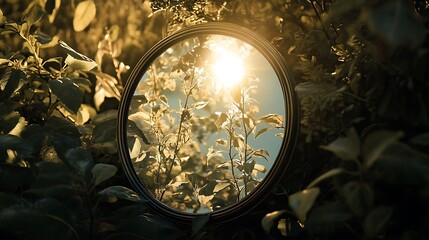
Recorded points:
(13,82)
(422,139)
(80,160)
(83,15)
(199,222)
(301,202)
(102,172)
(248,166)
(34,15)
(401,164)
(328,218)
(147,226)
(376,221)
(324,176)
(68,93)
(397,23)
(28,223)
(346,148)
(120,192)
(22,148)
(375,144)
(359,197)
(43,38)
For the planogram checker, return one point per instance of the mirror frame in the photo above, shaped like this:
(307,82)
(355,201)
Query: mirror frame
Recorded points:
(291,120)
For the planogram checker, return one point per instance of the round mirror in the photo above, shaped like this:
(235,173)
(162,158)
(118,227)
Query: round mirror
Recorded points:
(208,122)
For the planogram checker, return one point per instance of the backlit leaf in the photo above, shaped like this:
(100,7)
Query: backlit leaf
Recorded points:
(83,15)
(200,105)
(260,132)
(77,64)
(221,121)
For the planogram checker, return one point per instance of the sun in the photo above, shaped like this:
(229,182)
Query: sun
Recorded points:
(228,69)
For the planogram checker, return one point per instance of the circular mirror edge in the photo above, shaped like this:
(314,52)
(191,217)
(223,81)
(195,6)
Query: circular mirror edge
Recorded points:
(285,154)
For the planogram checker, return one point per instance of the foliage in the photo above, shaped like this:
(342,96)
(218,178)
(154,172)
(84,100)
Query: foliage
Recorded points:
(172,141)
(361,69)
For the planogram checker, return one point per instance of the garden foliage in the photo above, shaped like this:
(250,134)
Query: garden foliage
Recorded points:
(361,166)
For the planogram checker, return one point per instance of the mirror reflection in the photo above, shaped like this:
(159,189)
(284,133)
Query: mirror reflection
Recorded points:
(205,123)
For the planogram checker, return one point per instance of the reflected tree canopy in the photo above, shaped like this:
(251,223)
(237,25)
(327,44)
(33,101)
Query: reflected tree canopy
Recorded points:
(203,127)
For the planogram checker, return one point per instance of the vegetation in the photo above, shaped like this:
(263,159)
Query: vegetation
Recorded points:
(360,167)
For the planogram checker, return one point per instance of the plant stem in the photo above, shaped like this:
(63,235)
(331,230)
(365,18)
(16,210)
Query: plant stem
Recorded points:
(245,138)
(179,132)
(231,159)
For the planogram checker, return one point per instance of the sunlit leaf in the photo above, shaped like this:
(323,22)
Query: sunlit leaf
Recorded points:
(220,186)
(301,202)
(164,99)
(262,153)
(70,51)
(200,105)
(4,61)
(346,148)
(260,168)
(273,119)
(260,132)
(203,199)
(178,183)
(83,15)
(77,64)
(221,121)
(221,142)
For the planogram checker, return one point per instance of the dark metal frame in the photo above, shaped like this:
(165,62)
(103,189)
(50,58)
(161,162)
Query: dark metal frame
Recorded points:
(291,119)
